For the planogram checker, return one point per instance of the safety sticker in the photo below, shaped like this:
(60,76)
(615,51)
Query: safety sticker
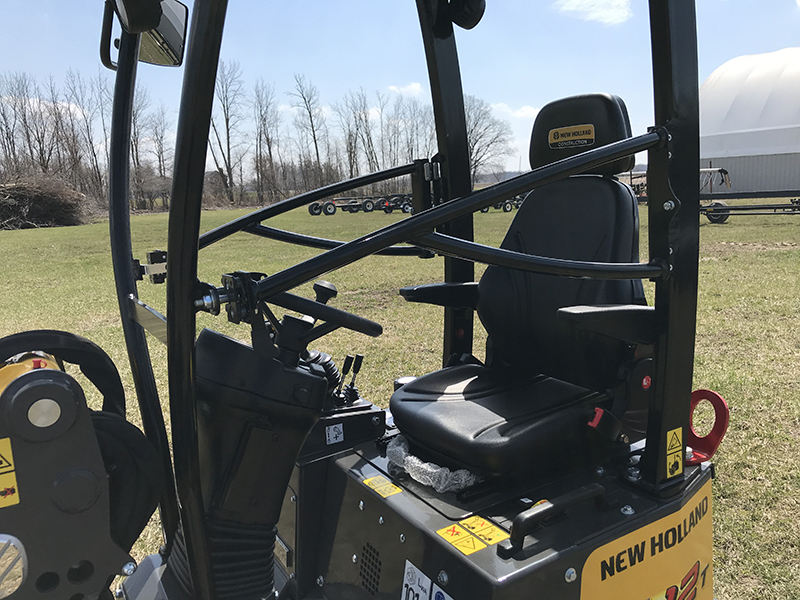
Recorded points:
(334,433)
(571,137)
(674,452)
(484,530)
(460,538)
(382,486)
(416,585)
(9,495)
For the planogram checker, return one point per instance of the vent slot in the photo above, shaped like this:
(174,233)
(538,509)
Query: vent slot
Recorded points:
(370,570)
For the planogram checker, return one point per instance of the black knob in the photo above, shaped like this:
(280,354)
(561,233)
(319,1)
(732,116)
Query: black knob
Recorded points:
(324,290)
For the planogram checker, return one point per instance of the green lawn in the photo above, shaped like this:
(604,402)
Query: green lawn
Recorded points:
(748,347)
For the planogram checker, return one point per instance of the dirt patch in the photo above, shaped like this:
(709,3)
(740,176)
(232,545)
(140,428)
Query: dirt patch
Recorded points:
(729,247)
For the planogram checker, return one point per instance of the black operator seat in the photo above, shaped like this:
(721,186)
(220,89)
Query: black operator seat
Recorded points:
(528,408)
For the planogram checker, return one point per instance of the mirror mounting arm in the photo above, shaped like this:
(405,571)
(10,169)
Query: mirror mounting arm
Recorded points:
(105,37)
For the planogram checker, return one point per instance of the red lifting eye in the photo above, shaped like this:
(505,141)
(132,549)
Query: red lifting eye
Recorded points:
(38,363)
(703,448)
(646,382)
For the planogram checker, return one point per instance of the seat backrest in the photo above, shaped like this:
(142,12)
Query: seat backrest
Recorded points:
(588,217)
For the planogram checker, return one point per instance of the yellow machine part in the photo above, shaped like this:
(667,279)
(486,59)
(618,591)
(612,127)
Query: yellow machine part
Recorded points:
(669,559)
(29,361)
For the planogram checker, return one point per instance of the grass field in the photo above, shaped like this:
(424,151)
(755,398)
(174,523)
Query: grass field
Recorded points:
(748,347)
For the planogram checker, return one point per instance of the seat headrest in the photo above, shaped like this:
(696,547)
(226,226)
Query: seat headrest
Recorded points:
(573,125)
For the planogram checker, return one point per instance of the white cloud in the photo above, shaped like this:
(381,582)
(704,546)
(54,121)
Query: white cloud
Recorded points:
(608,12)
(412,89)
(528,113)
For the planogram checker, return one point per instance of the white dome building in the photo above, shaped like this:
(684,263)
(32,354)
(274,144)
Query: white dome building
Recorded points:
(750,122)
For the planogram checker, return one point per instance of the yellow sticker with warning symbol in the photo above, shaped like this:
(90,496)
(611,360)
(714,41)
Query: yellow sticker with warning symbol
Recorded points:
(674,452)
(382,486)
(484,530)
(461,539)
(9,495)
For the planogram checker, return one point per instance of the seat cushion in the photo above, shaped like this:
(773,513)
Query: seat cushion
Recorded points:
(494,421)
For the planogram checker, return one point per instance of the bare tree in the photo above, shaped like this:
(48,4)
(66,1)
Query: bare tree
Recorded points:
(34,119)
(267,120)
(141,102)
(488,138)
(9,124)
(310,123)
(83,109)
(159,128)
(225,141)
(348,126)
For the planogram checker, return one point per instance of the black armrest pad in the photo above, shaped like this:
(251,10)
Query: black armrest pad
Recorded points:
(452,295)
(630,323)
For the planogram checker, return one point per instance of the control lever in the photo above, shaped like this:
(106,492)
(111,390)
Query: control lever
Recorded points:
(348,362)
(356,368)
(351,391)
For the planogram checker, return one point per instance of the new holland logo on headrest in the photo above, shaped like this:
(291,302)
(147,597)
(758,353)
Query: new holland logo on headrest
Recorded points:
(571,137)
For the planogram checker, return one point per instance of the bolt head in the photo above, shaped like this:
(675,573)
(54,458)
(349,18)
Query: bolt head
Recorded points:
(402,538)
(376,420)
(320,581)
(627,510)
(633,475)
(361,505)
(380,520)
(128,569)
(443,578)
(669,205)
(570,575)
(355,558)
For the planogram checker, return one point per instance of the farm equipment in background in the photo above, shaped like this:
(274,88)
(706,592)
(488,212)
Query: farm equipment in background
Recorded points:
(563,466)
(354,204)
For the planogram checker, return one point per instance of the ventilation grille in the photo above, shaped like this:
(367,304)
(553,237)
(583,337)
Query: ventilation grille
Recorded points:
(370,571)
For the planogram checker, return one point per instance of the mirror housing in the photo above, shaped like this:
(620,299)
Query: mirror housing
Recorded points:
(138,16)
(164,44)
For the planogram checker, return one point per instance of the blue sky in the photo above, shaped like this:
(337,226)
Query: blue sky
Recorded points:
(522,55)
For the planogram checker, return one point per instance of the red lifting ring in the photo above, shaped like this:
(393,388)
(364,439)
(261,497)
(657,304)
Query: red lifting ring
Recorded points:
(703,448)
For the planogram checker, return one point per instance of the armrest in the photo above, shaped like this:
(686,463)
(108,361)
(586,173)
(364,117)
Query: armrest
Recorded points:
(630,323)
(452,295)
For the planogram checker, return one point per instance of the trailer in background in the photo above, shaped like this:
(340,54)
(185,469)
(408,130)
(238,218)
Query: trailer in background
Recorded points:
(354,204)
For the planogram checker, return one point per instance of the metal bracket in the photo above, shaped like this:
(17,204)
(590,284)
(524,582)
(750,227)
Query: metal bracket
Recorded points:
(155,267)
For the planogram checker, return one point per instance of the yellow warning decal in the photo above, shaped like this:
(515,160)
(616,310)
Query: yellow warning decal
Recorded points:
(571,137)
(382,486)
(461,539)
(674,452)
(484,530)
(9,495)
(669,559)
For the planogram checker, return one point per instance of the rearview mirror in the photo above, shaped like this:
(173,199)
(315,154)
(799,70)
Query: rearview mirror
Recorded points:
(164,44)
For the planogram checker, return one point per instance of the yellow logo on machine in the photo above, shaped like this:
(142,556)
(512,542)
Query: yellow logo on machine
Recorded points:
(669,559)
(571,137)
(9,495)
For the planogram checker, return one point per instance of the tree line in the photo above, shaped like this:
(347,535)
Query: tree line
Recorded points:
(263,147)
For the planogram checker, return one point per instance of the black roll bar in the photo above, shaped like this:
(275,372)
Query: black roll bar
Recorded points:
(424,222)
(122,261)
(283,206)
